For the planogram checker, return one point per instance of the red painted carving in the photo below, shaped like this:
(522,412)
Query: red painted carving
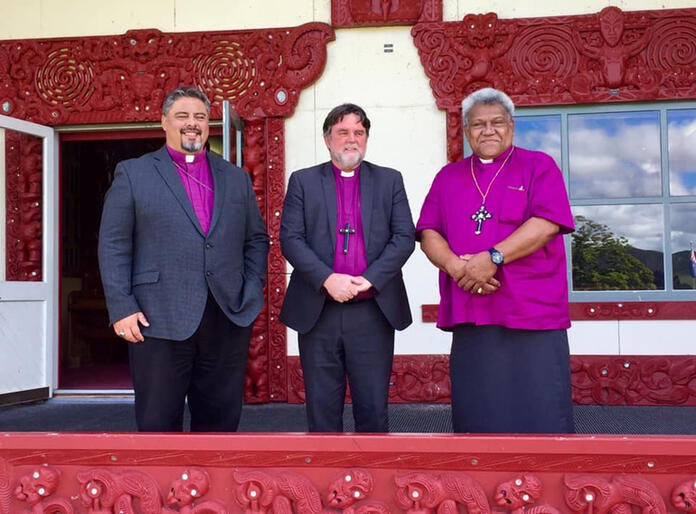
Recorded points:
(191,485)
(519,494)
(331,474)
(591,493)
(117,79)
(444,493)
(24,174)
(583,311)
(595,379)
(124,78)
(356,13)
(684,496)
(634,380)
(35,487)
(420,378)
(5,486)
(275,194)
(611,56)
(260,492)
(103,491)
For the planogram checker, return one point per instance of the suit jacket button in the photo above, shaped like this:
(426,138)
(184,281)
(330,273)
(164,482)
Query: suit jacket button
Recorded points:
(209,273)
(208,245)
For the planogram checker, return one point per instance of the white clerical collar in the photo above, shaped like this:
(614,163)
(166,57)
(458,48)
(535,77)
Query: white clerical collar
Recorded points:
(189,158)
(347,174)
(483,161)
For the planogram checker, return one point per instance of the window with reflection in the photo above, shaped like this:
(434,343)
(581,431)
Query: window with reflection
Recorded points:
(630,171)
(614,155)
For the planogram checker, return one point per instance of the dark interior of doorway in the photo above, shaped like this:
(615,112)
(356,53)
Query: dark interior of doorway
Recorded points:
(91,356)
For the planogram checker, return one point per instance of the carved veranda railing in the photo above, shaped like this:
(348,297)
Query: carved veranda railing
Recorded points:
(254,474)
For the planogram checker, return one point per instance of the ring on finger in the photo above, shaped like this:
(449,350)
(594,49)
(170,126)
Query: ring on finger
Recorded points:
(121,334)
(479,290)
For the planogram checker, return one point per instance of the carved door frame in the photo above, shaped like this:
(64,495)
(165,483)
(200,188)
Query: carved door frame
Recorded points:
(124,78)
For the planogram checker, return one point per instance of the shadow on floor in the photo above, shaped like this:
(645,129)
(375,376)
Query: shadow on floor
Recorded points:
(117,415)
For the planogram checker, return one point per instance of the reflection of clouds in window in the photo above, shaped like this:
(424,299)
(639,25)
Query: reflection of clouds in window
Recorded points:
(681,133)
(641,225)
(542,133)
(683,230)
(614,155)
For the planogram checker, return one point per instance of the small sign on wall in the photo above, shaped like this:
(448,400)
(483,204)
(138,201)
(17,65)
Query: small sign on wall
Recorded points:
(361,13)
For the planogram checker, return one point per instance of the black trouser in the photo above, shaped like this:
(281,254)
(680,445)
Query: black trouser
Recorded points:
(354,340)
(507,380)
(208,368)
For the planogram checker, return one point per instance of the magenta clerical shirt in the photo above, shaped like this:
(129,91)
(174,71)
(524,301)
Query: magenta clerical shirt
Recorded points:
(533,292)
(198,182)
(354,262)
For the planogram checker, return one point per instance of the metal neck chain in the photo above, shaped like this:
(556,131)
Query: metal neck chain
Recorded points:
(189,175)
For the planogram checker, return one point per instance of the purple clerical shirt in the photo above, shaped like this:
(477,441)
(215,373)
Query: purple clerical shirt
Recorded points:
(198,183)
(353,262)
(533,293)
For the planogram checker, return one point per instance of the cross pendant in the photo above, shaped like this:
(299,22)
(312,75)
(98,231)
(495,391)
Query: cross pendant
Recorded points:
(346,231)
(479,217)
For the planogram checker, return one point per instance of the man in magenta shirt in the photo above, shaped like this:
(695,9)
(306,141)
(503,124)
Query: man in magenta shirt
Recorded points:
(347,231)
(493,223)
(182,254)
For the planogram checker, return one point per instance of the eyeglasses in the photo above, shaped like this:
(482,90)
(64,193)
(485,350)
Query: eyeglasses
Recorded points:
(496,124)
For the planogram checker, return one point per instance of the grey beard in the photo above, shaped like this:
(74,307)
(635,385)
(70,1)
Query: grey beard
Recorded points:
(193,146)
(348,162)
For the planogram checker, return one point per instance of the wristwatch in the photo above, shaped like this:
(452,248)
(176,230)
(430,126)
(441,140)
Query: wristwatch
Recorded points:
(496,256)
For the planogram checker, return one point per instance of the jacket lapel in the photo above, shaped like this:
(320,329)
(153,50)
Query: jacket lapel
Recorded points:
(366,194)
(328,184)
(219,187)
(165,167)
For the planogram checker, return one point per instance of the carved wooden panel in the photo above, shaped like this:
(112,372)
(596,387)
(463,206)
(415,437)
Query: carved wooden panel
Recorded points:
(358,13)
(610,56)
(109,79)
(585,311)
(361,474)
(23,201)
(595,379)
(123,78)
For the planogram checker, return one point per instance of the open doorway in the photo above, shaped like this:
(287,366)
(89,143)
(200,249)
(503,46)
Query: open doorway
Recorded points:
(91,357)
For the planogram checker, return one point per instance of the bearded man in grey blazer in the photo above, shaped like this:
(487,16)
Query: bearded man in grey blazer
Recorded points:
(347,231)
(182,254)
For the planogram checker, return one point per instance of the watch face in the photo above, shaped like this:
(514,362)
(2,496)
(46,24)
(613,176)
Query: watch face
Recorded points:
(496,257)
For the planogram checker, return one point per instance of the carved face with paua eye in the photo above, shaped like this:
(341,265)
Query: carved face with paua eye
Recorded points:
(518,492)
(191,485)
(37,485)
(350,487)
(480,29)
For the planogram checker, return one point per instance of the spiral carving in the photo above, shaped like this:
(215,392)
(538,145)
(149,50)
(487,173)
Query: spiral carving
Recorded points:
(674,44)
(64,79)
(224,72)
(544,50)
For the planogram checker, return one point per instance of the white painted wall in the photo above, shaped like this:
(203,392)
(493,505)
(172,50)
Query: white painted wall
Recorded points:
(408,130)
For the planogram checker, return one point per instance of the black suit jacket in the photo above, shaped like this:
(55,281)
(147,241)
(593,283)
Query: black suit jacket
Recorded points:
(155,258)
(308,241)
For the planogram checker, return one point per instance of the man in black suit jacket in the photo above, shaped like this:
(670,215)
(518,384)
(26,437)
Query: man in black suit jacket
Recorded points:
(182,254)
(347,231)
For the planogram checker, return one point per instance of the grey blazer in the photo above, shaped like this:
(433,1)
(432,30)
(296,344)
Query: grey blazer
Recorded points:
(308,241)
(154,256)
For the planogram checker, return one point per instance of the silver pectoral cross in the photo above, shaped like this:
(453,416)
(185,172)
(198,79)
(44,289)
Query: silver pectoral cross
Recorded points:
(479,217)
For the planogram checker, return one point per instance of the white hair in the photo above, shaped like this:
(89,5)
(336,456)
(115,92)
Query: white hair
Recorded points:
(487,96)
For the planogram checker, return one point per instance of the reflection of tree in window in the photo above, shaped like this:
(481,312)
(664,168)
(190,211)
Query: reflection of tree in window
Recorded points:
(603,261)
